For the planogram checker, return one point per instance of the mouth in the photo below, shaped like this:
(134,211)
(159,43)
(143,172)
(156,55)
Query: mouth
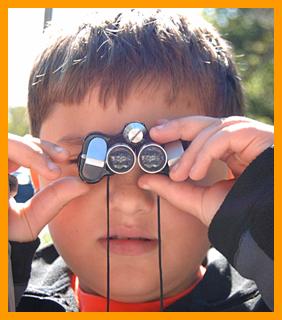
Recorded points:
(128,238)
(129,245)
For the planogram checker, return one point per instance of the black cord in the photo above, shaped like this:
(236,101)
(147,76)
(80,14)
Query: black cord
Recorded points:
(160,255)
(108,243)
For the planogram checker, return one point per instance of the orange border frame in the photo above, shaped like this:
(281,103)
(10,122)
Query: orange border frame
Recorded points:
(4,5)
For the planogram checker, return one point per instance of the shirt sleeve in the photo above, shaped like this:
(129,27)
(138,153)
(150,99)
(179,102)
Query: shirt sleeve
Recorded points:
(20,259)
(242,229)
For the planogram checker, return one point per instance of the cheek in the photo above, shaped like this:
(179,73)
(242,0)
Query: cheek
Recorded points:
(185,241)
(69,224)
(82,219)
(75,231)
(184,228)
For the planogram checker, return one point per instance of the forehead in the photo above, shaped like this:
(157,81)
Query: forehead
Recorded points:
(68,124)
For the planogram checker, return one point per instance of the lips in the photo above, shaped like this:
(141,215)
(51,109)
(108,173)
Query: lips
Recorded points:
(128,238)
(130,242)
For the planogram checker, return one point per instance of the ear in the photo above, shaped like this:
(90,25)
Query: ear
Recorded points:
(35,180)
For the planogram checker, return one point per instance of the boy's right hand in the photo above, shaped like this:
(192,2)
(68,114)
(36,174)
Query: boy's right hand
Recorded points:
(28,219)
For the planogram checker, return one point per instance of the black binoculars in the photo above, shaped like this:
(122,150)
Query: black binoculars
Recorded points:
(104,155)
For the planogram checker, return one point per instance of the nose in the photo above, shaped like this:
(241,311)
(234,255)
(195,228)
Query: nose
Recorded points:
(127,198)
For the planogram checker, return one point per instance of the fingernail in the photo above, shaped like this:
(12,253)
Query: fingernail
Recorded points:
(192,171)
(52,166)
(145,187)
(161,126)
(59,149)
(175,167)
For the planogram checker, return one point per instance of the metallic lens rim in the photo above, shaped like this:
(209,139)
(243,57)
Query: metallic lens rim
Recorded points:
(121,145)
(150,145)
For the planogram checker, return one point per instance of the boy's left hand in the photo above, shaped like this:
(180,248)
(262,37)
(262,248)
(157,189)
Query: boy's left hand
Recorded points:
(235,140)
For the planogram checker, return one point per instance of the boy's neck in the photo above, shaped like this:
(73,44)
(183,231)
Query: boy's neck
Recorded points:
(91,301)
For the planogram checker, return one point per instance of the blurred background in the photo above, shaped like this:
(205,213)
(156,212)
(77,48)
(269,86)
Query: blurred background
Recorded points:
(249,30)
(251,33)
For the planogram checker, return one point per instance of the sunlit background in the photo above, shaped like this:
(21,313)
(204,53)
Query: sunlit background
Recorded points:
(249,30)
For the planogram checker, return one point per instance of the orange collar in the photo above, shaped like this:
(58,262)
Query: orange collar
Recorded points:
(89,302)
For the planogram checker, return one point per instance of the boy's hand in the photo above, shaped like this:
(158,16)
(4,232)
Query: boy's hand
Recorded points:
(38,155)
(27,220)
(235,140)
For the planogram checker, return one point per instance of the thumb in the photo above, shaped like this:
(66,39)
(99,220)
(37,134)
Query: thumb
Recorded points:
(26,222)
(182,195)
(201,202)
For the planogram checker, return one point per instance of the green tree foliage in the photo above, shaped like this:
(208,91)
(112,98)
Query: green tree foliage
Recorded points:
(251,33)
(18,121)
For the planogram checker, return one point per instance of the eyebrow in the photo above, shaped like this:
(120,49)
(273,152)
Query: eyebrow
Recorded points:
(71,140)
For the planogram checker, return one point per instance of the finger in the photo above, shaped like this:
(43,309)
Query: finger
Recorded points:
(182,195)
(202,203)
(185,128)
(43,207)
(213,198)
(54,151)
(236,165)
(12,166)
(231,140)
(161,121)
(180,171)
(29,155)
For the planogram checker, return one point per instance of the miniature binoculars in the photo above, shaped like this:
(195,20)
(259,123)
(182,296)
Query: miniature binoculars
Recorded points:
(103,155)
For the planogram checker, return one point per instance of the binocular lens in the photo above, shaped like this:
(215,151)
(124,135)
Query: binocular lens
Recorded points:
(121,159)
(152,158)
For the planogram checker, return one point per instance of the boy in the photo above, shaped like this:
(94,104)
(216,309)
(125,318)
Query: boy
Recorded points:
(139,66)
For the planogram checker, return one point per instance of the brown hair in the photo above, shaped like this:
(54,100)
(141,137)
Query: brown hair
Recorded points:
(136,45)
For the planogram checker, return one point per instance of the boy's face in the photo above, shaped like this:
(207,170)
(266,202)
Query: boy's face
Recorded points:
(79,230)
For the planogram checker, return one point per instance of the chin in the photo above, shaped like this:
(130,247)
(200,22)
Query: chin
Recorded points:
(132,287)
(134,294)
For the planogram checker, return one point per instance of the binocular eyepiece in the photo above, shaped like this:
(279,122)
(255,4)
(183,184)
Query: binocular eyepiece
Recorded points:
(104,155)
